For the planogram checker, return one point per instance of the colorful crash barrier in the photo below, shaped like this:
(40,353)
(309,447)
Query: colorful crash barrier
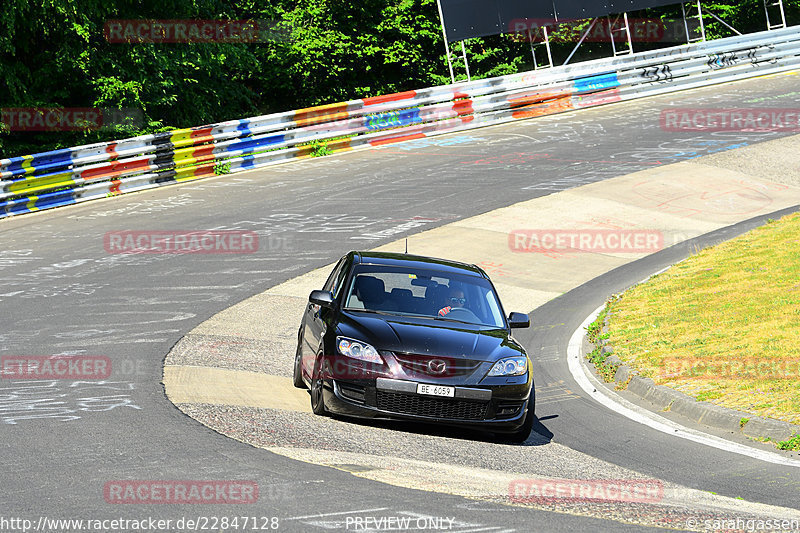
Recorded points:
(68,176)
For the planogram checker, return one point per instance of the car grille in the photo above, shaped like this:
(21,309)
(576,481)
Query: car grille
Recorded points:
(411,404)
(418,364)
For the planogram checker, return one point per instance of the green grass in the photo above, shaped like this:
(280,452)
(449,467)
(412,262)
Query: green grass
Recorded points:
(791,444)
(597,358)
(723,325)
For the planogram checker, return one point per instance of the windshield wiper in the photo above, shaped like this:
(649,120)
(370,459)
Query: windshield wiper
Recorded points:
(479,324)
(454,320)
(373,311)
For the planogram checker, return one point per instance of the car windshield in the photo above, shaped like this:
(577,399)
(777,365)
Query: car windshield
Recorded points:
(413,292)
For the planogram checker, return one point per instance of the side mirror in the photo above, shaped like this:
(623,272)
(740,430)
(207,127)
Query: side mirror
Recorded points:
(321,298)
(518,320)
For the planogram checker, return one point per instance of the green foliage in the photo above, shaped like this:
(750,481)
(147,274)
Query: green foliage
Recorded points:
(344,50)
(593,332)
(605,369)
(53,53)
(222,168)
(791,444)
(320,149)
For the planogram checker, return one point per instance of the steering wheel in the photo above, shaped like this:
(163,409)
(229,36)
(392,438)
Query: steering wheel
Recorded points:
(466,313)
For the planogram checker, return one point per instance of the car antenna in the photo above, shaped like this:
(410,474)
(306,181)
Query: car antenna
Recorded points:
(406,245)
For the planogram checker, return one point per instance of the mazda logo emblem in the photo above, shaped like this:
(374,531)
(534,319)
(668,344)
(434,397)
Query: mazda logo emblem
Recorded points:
(437,366)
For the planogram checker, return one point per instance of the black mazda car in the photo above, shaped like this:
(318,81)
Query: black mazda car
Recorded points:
(415,338)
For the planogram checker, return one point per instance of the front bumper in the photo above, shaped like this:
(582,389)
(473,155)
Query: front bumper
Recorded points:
(500,408)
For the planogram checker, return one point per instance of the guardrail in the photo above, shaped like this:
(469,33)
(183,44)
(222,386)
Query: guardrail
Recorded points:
(63,177)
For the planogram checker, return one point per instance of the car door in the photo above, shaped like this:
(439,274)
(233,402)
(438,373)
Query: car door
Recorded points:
(314,319)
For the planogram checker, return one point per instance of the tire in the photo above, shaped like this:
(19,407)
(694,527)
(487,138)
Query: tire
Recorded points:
(317,392)
(297,374)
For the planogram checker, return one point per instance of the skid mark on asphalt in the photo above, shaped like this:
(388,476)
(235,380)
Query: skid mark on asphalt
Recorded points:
(548,354)
(62,401)
(148,207)
(553,393)
(449,140)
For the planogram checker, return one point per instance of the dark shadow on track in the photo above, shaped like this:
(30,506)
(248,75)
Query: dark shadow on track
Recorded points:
(540,435)
(540,430)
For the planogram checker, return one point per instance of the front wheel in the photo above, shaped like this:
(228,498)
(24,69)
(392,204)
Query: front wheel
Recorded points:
(317,397)
(297,374)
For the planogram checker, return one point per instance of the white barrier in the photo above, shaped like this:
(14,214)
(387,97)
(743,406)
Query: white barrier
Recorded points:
(63,177)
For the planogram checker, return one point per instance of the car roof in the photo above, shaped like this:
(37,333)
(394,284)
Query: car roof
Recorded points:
(416,261)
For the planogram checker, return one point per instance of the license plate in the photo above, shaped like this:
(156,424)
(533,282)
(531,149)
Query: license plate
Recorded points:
(436,390)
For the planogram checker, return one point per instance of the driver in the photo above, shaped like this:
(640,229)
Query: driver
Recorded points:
(455,300)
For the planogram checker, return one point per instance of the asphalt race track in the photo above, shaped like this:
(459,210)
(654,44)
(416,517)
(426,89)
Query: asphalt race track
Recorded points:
(62,293)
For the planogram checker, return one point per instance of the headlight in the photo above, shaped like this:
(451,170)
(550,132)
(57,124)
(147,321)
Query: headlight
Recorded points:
(512,366)
(358,350)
